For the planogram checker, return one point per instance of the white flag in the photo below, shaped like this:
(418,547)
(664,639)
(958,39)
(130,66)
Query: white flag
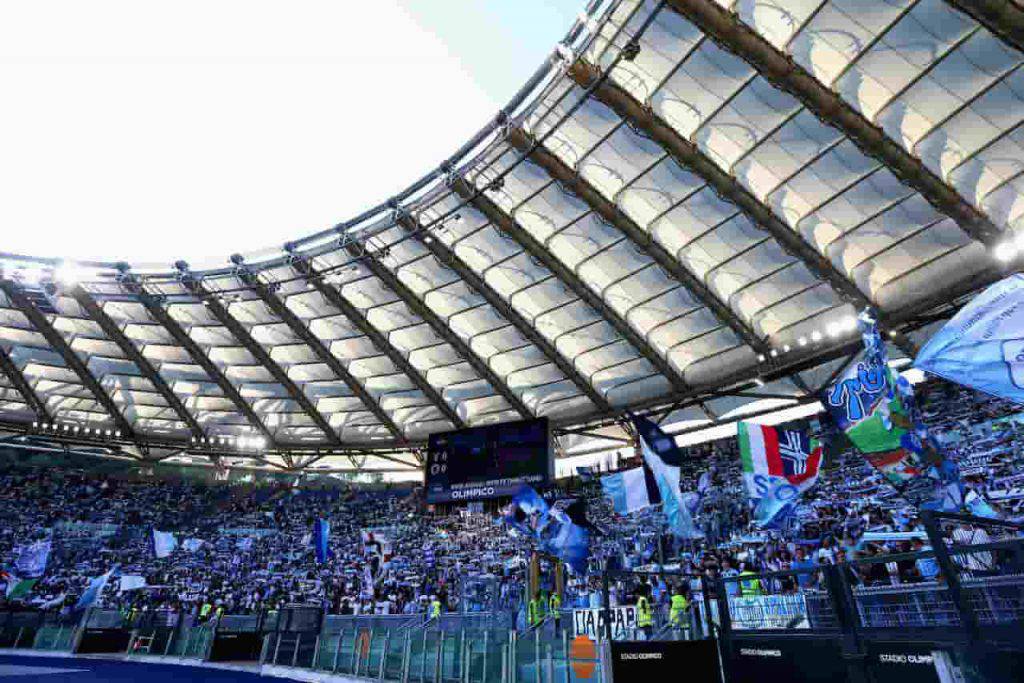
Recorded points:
(130,582)
(164,543)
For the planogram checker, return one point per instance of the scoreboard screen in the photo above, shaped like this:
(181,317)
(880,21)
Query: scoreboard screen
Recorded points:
(488,462)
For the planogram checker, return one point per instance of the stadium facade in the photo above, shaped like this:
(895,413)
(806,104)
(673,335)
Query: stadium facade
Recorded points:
(681,213)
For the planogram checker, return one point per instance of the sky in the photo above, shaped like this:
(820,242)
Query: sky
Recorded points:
(155,131)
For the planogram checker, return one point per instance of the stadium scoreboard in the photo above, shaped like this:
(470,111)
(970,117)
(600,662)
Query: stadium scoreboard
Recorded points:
(488,462)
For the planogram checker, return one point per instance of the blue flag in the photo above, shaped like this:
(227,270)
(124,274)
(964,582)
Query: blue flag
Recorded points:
(92,592)
(321,532)
(164,543)
(631,490)
(566,540)
(555,529)
(663,458)
(978,506)
(32,559)
(877,414)
(530,502)
(983,345)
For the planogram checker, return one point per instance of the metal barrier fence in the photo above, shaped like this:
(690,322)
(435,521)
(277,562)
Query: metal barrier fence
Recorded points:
(964,593)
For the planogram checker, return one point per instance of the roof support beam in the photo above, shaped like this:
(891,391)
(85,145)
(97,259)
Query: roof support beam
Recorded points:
(449,258)
(113,331)
(783,72)
(529,243)
(609,212)
(56,340)
(164,319)
(379,340)
(238,331)
(21,384)
(1004,18)
(300,330)
(724,184)
(746,379)
(440,327)
(741,380)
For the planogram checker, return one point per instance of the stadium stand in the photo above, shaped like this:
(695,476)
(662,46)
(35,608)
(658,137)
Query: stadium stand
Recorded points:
(249,548)
(696,212)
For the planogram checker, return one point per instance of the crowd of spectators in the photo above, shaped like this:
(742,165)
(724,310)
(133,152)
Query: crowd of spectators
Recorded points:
(245,548)
(849,517)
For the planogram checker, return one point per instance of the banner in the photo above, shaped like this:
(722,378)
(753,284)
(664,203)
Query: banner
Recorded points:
(631,490)
(663,457)
(590,622)
(982,346)
(164,543)
(778,466)
(866,406)
(321,534)
(767,612)
(93,591)
(762,612)
(32,558)
(191,545)
(131,582)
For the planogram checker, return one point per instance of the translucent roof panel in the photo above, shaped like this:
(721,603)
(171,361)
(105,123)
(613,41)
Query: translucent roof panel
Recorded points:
(664,222)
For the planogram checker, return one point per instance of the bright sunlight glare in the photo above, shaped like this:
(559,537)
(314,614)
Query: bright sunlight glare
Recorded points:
(151,131)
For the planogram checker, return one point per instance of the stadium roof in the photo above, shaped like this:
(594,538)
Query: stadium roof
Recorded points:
(680,213)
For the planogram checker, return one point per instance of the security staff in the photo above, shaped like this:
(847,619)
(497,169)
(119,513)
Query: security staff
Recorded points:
(204,611)
(533,611)
(750,585)
(644,616)
(677,609)
(435,608)
(554,609)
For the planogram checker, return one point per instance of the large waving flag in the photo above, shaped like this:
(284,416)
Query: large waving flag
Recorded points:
(164,543)
(131,582)
(18,588)
(192,545)
(32,559)
(566,540)
(778,466)
(982,346)
(864,404)
(663,458)
(558,531)
(631,490)
(878,417)
(321,534)
(92,592)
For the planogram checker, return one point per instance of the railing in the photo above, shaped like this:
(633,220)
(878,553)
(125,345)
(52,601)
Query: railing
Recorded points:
(425,654)
(964,595)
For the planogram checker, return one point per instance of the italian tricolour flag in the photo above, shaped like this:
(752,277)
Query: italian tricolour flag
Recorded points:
(780,463)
